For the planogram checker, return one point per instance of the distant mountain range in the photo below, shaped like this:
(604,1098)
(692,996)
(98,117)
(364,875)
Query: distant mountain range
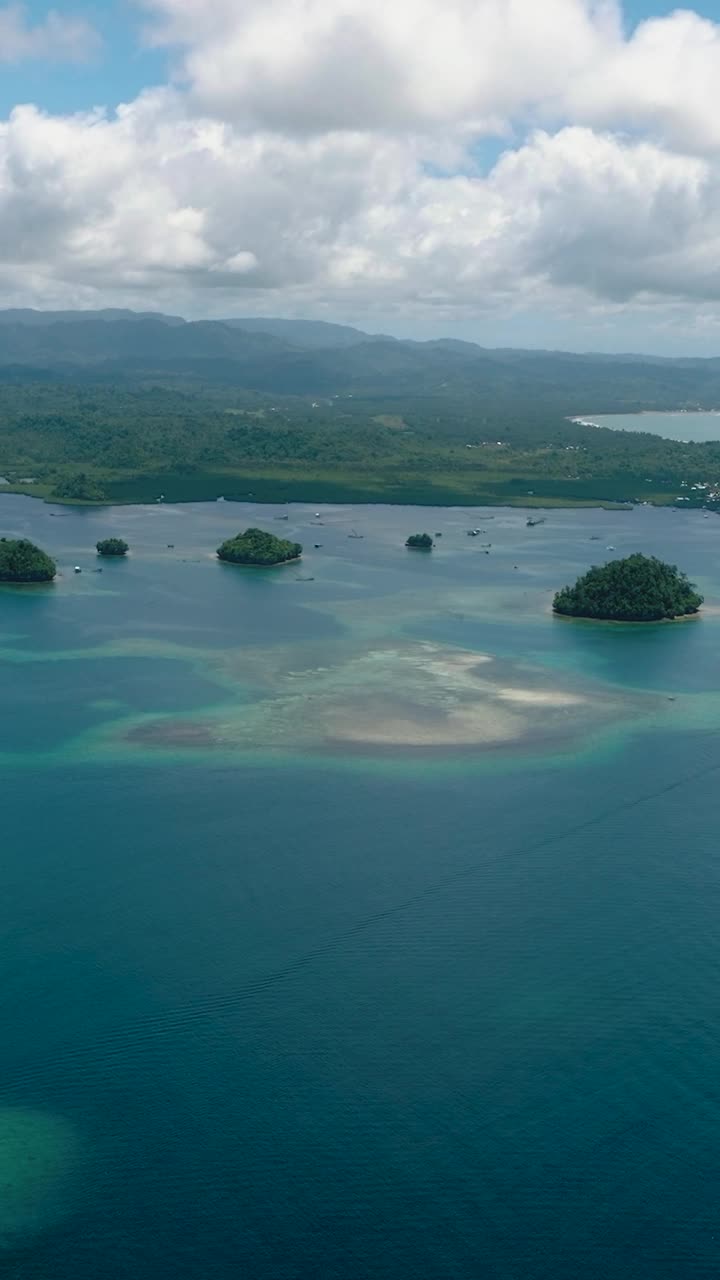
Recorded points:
(314,358)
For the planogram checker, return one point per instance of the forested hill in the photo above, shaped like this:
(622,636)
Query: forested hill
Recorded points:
(311,358)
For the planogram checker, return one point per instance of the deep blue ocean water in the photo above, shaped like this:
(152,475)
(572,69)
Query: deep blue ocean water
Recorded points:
(357,1017)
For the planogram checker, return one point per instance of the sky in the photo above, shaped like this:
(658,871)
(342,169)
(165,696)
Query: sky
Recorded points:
(539,173)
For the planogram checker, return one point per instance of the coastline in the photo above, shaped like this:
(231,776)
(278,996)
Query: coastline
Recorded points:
(620,622)
(473,501)
(239,564)
(641,413)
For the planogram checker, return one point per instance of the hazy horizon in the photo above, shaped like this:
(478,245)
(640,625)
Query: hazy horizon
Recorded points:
(396,331)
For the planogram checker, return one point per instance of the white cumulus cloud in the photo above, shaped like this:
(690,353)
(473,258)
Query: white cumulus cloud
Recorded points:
(664,80)
(482,65)
(320,65)
(323,158)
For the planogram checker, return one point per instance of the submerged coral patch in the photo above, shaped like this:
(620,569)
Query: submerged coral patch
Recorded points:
(38,1158)
(407,695)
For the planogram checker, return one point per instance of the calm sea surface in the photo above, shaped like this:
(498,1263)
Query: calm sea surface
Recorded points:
(673,426)
(282,1003)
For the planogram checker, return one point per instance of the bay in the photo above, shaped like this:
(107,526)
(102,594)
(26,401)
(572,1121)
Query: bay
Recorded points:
(358,918)
(699,426)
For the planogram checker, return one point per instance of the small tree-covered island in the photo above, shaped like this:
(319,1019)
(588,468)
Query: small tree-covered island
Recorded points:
(637,589)
(254,547)
(112,547)
(419,542)
(21,562)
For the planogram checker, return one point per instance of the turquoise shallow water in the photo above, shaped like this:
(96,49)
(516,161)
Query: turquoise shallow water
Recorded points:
(673,426)
(308,1012)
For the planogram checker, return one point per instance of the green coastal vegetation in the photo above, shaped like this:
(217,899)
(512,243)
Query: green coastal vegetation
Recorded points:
(419,542)
(22,562)
(255,547)
(112,547)
(637,589)
(82,445)
(145,409)
(78,487)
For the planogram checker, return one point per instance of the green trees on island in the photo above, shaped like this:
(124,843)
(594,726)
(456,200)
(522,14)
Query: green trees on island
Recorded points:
(22,561)
(254,546)
(112,547)
(420,542)
(637,589)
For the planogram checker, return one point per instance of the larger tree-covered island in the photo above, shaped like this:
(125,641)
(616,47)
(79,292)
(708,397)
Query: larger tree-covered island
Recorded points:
(637,589)
(255,547)
(21,561)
